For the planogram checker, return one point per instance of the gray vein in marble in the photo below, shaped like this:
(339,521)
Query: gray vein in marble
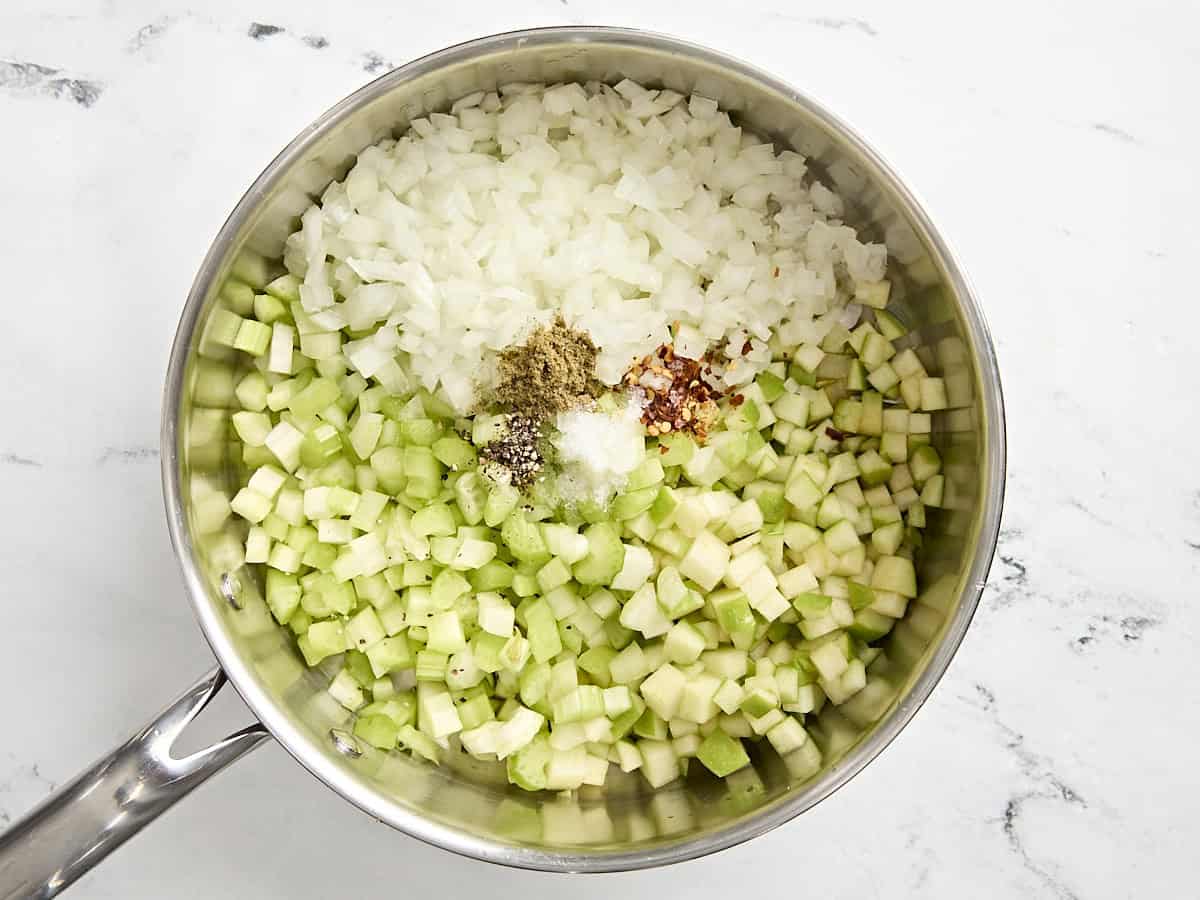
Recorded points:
(1129,629)
(30,79)
(1013,580)
(148,34)
(986,698)
(1114,132)
(1076,504)
(12,459)
(260,31)
(126,455)
(1012,814)
(373,62)
(1044,783)
(840,24)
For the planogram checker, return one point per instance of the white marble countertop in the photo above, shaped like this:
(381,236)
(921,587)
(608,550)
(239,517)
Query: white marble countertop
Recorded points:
(1055,144)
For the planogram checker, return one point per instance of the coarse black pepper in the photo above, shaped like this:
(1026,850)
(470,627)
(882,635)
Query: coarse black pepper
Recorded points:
(515,453)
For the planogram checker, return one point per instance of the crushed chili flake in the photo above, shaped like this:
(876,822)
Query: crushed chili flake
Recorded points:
(686,403)
(834,433)
(736,400)
(746,348)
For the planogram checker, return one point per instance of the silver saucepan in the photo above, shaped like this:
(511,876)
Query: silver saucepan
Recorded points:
(466,806)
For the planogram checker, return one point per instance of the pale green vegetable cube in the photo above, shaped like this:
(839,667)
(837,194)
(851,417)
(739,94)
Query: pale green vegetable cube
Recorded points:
(727,662)
(641,612)
(745,518)
(895,573)
(436,714)
(446,633)
(697,704)
(787,736)
(830,660)
(705,561)
(564,542)
(252,428)
(391,654)
(729,696)
(629,665)
(792,408)
(346,690)
(691,515)
(663,690)
(683,644)
(722,754)
(933,394)
(660,764)
(250,505)
(496,615)
(618,699)
(364,629)
(873,293)
(635,570)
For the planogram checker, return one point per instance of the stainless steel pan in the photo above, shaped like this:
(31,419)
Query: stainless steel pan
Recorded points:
(466,806)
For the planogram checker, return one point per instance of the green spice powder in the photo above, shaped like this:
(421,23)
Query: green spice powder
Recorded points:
(551,372)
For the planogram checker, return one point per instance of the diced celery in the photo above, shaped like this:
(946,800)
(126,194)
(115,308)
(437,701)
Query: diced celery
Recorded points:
(391,654)
(679,449)
(434,519)
(453,452)
(642,613)
(523,538)
(933,394)
(683,644)
(636,568)
(632,504)
(321,640)
(564,542)
(663,690)
(895,573)
(705,560)
(628,666)
(722,754)
(605,557)
(542,632)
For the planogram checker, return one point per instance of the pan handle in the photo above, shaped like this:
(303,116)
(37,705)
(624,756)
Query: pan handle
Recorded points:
(97,811)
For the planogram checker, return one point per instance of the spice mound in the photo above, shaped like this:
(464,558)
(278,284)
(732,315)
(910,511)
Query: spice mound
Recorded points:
(553,371)
(678,396)
(597,451)
(514,456)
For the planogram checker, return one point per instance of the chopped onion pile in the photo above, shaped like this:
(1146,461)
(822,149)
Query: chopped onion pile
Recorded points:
(624,208)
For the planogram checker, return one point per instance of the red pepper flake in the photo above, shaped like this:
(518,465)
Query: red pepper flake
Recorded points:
(834,433)
(686,404)
(746,348)
(737,400)
(775,273)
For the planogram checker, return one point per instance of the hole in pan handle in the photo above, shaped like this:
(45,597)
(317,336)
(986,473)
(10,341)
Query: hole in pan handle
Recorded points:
(94,813)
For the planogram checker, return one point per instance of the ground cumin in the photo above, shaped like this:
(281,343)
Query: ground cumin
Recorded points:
(553,371)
